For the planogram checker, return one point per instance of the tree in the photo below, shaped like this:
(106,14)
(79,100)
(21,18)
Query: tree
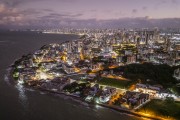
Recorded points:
(88,71)
(169,100)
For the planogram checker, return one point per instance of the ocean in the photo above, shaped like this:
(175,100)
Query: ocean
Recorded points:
(20,103)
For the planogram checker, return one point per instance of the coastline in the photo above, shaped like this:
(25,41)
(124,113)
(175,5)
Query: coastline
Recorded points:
(60,33)
(112,107)
(118,109)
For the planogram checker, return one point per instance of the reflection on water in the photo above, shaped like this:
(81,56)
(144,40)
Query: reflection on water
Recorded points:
(22,95)
(6,79)
(6,42)
(7,76)
(20,103)
(98,107)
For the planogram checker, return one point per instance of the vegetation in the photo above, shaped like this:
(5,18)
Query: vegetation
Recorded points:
(15,74)
(158,74)
(115,82)
(75,87)
(166,108)
(176,90)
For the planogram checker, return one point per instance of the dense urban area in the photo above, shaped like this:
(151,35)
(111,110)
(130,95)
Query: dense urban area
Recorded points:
(136,71)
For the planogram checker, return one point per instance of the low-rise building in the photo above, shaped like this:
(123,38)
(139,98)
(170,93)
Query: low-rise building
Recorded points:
(152,90)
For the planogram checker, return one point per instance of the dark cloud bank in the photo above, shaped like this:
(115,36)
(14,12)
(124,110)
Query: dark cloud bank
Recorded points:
(54,22)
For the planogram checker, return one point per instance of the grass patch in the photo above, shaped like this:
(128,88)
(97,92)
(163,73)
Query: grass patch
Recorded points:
(163,108)
(115,82)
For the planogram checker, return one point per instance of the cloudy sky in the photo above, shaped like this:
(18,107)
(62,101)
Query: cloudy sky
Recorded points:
(89,13)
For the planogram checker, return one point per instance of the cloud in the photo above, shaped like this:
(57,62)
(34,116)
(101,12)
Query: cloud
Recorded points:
(134,11)
(60,16)
(2,7)
(160,3)
(144,8)
(147,17)
(14,3)
(174,1)
(93,10)
(12,16)
(136,22)
(65,13)
(10,13)
(76,15)
(29,12)
(47,10)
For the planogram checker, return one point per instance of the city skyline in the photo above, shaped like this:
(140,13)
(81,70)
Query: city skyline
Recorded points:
(90,59)
(84,13)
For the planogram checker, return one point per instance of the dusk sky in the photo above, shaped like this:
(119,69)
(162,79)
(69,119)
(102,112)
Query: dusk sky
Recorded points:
(88,13)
